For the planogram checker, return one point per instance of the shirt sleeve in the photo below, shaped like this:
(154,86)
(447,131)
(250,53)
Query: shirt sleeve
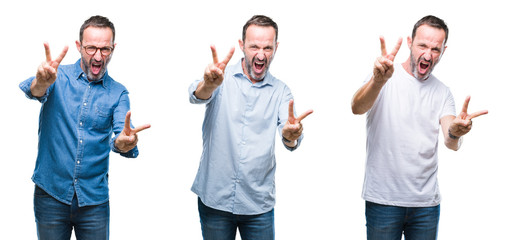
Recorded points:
(193,99)
(25,87)
(119,122)
(449,106)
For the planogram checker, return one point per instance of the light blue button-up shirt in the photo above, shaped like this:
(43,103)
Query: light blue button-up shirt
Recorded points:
(237,169)
(76,122)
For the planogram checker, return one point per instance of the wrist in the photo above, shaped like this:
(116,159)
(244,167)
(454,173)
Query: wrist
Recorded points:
(288,142)
(451,135)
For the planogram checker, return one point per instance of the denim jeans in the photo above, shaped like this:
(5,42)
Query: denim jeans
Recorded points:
(55,219)
(390,222)
(220,225)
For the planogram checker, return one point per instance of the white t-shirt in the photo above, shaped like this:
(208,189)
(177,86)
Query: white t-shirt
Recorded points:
(402,141)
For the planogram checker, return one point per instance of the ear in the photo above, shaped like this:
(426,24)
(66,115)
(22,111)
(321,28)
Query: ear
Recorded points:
(276,46)
(442,54)
(240,42)
(409,42)
(78,46)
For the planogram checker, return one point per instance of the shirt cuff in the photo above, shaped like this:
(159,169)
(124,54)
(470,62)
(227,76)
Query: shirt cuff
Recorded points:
(133,153)
(25,87)
(298,142)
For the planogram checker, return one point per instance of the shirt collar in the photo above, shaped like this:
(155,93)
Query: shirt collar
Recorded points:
(80,74)
(237,70)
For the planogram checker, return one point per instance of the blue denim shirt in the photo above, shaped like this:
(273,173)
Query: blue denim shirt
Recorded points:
(237,169)
(76,122)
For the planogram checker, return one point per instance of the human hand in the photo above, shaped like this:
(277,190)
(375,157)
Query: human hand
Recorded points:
(293,128)
(47,70)
(383,67)
(462,124)
(214,72)
(127,139)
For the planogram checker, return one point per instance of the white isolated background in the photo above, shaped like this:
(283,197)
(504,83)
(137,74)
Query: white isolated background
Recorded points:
(326,50)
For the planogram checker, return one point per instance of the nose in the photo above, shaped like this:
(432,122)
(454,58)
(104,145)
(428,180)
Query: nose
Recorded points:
(261,55)
(98,55)
(427,55)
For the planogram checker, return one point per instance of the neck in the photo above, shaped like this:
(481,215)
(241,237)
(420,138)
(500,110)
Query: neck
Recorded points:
(408,67)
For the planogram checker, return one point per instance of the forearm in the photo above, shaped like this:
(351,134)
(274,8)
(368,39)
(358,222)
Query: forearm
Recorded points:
(204,91)
(365,97)
(451,141)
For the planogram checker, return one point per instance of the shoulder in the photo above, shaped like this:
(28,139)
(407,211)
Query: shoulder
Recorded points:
(114,85)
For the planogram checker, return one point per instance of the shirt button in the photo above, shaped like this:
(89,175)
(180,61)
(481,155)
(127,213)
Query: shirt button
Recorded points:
(80,123)
(84,104)
(78,162)
(75,180)
(80,141)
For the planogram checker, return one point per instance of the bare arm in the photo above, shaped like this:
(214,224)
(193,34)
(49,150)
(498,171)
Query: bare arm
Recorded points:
(456,127)
(382,70)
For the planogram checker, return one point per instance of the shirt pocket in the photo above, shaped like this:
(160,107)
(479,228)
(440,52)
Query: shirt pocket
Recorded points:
(102,119)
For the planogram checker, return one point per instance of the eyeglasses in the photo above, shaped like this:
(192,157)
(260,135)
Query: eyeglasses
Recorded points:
(105,51)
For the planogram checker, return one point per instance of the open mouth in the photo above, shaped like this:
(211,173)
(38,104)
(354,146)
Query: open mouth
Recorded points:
(96,67)
(424,66)
(259,66)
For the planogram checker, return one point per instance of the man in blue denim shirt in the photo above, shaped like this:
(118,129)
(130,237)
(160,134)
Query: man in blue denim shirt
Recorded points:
(81,107)
(245,106)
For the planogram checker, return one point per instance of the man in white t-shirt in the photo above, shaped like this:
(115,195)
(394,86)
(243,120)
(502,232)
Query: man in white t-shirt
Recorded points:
(406,105)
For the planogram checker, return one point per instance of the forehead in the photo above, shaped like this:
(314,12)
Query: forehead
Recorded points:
(255,33)
(98,36)
(426,33)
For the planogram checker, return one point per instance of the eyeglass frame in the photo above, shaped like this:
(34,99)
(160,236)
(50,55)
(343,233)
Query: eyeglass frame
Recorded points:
(97,48)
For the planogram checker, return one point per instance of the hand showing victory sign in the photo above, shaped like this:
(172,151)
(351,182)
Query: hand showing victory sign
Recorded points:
(46,72)
(462,124)
(293,129)
(214,73)
(127,139)
(383,67)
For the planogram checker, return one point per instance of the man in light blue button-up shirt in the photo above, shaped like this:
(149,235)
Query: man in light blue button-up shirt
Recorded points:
(245,106)
(81,108)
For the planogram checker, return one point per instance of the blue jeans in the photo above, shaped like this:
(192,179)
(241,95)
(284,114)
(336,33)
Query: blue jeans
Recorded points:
(220,225)
(55,219)
(390,222)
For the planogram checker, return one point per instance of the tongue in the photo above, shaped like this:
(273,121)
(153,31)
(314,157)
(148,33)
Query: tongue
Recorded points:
(95,69)
(258,67)
(423,68)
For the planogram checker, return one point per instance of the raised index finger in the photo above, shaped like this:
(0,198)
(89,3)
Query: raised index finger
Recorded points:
(48,52)
(214,54)
(127,123)
(291,109)
(383,46)
(465,105)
